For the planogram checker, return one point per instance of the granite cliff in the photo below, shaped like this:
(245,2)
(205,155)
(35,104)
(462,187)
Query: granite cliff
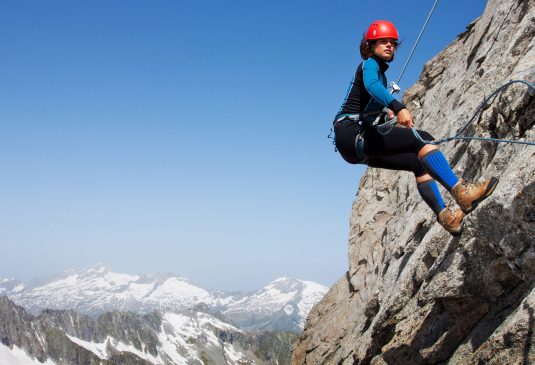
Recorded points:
(413,294)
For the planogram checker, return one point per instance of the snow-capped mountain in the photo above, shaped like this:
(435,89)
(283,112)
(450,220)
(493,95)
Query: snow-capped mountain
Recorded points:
(172,338)
(281,305)
(10,286)
(176,341)
(97,289)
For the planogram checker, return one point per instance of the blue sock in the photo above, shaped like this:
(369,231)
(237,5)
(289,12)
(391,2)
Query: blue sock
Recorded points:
(429,192)
(439,168)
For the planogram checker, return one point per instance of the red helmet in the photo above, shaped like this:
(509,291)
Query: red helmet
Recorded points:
(381,29)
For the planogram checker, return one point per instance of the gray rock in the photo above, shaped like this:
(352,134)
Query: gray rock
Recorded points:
(68,338)
(412,293)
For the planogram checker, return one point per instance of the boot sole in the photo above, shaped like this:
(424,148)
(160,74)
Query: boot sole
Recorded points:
(490,189)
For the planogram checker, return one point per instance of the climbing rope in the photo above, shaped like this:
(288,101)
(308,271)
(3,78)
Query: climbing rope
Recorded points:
(388,126)
(485,102)
(414,47)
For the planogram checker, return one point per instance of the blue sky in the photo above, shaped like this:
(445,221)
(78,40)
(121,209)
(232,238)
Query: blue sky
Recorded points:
(187,137)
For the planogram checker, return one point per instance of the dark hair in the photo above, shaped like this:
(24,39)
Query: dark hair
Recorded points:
(366,48)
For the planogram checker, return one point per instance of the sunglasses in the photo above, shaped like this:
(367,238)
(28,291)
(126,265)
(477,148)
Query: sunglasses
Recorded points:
(393,41)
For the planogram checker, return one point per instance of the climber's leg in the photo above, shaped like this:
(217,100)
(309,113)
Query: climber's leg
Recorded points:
(409,162)
(397,141)
(437,166)
(404,162)
(467,195)
(450,218)
(428,190)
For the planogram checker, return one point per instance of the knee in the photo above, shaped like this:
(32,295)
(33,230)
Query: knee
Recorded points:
(426,135)
(419,171)
(421,174)
(425,149)
(422,147)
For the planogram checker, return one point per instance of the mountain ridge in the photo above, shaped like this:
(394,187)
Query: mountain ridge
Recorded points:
(97,289)
(61,337)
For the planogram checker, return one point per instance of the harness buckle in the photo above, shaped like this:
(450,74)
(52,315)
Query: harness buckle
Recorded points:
(344,117)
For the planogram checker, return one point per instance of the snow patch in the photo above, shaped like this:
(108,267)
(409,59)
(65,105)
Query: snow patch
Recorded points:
(204,319)
(177,332)
(18,289)
(17,356)
(138,290)
(234,356)
(311,294)
(175,287)
(122,347)
(182,325)
(178,340)
(98,349)
(288,309)
(171,347)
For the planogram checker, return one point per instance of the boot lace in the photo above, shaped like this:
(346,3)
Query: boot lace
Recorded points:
(471,188)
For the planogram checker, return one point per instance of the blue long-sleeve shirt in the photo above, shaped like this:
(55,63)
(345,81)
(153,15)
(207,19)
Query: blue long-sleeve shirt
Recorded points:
(368,91)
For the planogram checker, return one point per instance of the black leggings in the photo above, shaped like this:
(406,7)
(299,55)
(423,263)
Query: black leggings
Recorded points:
(397,150)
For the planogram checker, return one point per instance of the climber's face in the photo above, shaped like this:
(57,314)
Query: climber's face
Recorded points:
(385,48)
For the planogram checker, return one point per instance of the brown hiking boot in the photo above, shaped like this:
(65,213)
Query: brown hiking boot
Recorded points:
(469,195)
(452,220)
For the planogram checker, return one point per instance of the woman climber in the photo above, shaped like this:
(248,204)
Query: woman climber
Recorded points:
(359,141)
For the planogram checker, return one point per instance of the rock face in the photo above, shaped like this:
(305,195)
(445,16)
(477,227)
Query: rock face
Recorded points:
(413,294)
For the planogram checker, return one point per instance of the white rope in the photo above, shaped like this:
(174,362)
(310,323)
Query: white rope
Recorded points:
(417,41)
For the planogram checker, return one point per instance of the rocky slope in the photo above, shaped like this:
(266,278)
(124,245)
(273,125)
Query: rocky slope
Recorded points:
(282,305)
(413,294)
(64,337)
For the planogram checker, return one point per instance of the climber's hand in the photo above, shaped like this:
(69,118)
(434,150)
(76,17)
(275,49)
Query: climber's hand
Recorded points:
(405,118)
(391,114)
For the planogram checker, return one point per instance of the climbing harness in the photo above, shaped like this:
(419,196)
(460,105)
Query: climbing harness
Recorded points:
(359,140)
(357,118)
(343,117)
